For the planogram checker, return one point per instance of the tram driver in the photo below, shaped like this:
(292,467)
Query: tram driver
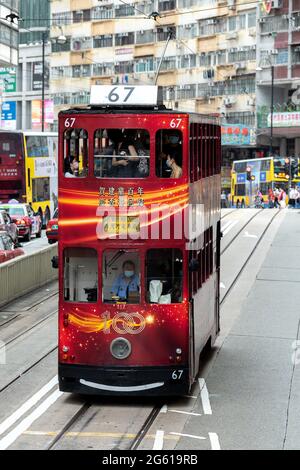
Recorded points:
(126,286)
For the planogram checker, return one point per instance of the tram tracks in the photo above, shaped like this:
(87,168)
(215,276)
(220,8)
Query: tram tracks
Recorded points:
(236,277)
(241,230)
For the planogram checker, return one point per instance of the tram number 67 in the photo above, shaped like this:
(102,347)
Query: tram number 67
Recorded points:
(113,97)
(176,374)
(70,122)
(175,123)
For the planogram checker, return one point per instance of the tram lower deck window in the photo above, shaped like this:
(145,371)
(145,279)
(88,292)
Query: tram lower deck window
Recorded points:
(121,153)
(164,270)
(80,275)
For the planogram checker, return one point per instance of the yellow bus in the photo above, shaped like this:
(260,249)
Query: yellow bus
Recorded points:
(28,170)
(266,173)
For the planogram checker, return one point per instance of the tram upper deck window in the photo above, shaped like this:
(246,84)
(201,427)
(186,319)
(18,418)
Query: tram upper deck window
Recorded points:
(80,275)
(169,153)
(121,276)
(164,276)
(121,153)
(265,165)
(76,153)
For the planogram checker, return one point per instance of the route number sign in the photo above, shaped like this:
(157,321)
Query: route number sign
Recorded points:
(124,95)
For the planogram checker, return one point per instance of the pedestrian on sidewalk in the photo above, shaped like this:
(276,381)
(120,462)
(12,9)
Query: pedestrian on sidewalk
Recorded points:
(223,200)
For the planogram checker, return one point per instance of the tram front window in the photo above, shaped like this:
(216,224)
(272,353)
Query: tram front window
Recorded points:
(121,153)
(80,275)
(169,153)
(121,276)
(164,276)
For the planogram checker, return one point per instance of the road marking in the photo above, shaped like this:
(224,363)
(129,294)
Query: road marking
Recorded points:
(188,435)
(222,285)
(185,412)
(230,227)
(191,396)
(28,405)
(214,441)
(248,235)
(226,225)
(10,438)
(96,434)
(159,440)
(205,397)
(164,409)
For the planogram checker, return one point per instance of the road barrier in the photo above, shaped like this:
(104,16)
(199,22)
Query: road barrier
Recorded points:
(26,273)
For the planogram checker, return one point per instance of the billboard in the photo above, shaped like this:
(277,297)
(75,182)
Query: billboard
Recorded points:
(36,113)
(9,115)
(238,134)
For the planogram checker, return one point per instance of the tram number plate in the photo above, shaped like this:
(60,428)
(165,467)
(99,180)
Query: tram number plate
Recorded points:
(121,225)
(177,374)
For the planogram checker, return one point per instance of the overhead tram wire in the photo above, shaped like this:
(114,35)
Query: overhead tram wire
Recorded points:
(166,15)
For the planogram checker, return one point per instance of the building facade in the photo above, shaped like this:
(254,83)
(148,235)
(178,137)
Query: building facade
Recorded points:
(34,28)
(278,51)
(9,12)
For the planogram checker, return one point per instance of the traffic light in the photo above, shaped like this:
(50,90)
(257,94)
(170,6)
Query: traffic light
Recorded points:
(249,174)
(294,169)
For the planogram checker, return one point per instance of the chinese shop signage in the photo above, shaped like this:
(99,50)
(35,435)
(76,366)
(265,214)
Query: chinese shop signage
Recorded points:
(238,134)
(284,119)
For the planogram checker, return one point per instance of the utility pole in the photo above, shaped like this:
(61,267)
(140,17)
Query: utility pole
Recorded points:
(272,109)
(44,36)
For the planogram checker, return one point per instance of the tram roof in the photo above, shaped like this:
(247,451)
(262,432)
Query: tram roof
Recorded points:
(203,118)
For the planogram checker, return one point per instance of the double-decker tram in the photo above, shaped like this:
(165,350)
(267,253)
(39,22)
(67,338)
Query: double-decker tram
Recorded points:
(139,251)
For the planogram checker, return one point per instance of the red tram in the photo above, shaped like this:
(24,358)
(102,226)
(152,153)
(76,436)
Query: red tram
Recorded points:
(139,250)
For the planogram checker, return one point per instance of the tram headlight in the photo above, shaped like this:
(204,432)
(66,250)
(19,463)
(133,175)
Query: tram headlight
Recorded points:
(120,348)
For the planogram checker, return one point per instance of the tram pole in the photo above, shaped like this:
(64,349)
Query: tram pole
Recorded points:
(170,34)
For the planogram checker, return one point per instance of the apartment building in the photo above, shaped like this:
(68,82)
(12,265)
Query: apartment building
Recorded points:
(209,65)
(34,28)
(278,54)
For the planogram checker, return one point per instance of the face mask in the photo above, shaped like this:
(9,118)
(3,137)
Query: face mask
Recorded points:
(173,139)
(169,163)
(128,273)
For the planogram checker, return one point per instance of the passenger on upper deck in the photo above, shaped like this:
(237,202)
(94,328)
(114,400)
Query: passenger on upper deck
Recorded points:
(71,168)
(126,157)
(176,169)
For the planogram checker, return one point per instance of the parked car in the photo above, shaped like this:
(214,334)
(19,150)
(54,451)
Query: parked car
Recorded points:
(7,225)
(52,228)
(8,248)
(27,221)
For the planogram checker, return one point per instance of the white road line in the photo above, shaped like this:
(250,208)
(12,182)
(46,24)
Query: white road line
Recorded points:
(191,396)
(164,409)
(185,412)
(248,235)
(226,225)
(159,440)
(214,441)
(205,397)
(10,438)
(188,435)
(27,405)
(230,227)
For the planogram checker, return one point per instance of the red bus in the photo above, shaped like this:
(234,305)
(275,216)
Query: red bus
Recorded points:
(139,251)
